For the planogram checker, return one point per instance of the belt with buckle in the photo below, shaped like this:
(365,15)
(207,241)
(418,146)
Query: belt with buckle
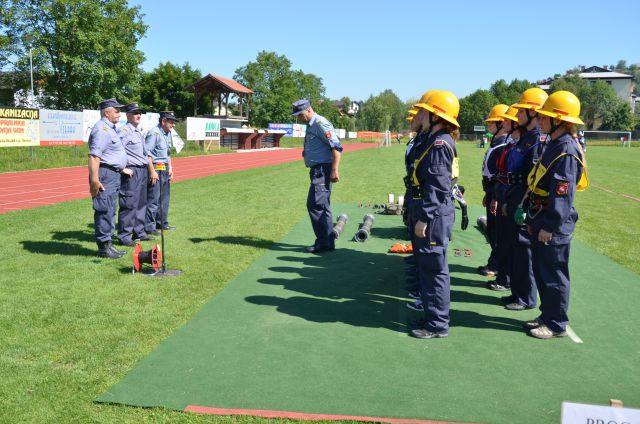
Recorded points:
(113,168)
(160,166)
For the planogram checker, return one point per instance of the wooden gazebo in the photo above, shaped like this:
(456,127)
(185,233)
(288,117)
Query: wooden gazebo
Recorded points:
(220,90)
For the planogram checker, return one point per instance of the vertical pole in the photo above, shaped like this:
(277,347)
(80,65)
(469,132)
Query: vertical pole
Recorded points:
(160,174)
(31,69)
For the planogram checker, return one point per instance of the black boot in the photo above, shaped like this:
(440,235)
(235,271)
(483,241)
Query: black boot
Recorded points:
(106,250)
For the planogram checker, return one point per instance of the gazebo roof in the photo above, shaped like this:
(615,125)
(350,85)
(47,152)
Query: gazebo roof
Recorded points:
(216,83)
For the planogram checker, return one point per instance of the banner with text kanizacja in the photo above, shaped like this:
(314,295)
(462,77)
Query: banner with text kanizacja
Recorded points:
(60,128)
(19,127)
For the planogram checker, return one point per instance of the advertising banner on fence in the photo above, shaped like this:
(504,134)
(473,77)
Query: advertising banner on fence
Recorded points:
(293,130)
(89,118)
(286,127)
(19,127)
(60,128)
(203,129)
(299,130)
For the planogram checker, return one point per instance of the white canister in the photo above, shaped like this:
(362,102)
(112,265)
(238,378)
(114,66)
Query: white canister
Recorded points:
(391,198)
(400,200)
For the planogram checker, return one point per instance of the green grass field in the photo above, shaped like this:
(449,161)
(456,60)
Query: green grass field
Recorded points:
(73,325)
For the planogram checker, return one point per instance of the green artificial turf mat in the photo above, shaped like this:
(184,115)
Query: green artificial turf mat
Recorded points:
(327,334)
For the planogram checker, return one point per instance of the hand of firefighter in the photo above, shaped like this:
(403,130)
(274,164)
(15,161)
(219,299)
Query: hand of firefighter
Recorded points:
(420,230)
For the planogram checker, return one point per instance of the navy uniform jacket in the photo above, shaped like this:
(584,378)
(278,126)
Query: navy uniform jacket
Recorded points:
(319,140)
(559,216)
(520,161)
(133,142)
(434,176)
(105,144)
(489,165)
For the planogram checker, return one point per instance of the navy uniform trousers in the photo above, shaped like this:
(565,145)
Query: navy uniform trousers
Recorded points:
(154,220)
(551,266)
(523,282)
(319,205)
(433,273)
(105,204)
(505,227)
(411,267)
(133,204)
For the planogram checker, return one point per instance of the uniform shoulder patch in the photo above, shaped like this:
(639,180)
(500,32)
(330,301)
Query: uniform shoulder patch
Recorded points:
(562,188)
(438,143)
(104,128)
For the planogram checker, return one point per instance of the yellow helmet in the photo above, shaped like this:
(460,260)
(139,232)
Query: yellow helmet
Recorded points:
(532,98)
(562,105)
(496,112)
(425,97)
(511,113)
(443,104)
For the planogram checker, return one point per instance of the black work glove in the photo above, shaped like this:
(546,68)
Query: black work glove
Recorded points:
(465,218)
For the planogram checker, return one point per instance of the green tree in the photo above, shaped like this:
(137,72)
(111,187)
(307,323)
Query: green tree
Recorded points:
(383,112)
(164,89)
(619,117)
(509,94)
(84,50)
(276,86)
(474,109)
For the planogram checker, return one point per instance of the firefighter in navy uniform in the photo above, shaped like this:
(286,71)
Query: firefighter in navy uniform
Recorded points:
(322,152)
(107,161)
(435,169)
(414,145)
(494,126)
(502,126)
(520,161)
(551,219)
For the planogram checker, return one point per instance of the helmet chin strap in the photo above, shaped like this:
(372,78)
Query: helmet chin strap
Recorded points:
(432,123)
(529,118)
(554,127)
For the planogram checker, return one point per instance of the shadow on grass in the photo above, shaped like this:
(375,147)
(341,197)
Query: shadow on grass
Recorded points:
(348,286)
(57,248)
(250,241)
(362,289)
(74,235)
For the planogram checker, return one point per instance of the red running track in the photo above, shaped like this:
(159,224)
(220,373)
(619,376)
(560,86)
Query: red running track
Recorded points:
(31,189)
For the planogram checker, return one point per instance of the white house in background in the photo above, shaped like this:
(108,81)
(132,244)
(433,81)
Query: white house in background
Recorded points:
(622,84)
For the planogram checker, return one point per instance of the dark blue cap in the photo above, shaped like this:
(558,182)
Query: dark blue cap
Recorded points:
(110,103)
(300,106)
(168,114)
(133,107)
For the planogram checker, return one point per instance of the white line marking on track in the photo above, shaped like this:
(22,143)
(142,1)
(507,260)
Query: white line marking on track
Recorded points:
(573,336)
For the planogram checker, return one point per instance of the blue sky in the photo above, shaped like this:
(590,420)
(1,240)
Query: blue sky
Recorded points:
(360,48)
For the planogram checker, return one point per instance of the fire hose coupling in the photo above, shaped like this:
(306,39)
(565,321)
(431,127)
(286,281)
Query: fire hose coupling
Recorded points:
(365,229)
(339,225)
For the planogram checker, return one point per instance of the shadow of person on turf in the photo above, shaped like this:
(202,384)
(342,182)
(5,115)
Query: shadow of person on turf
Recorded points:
(358,288)
(57,248)
(250,241)
(73,235)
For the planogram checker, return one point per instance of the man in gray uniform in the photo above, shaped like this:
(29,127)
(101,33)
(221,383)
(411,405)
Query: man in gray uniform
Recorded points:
(322,150)
(107,160)
(133,189)
(158,145)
